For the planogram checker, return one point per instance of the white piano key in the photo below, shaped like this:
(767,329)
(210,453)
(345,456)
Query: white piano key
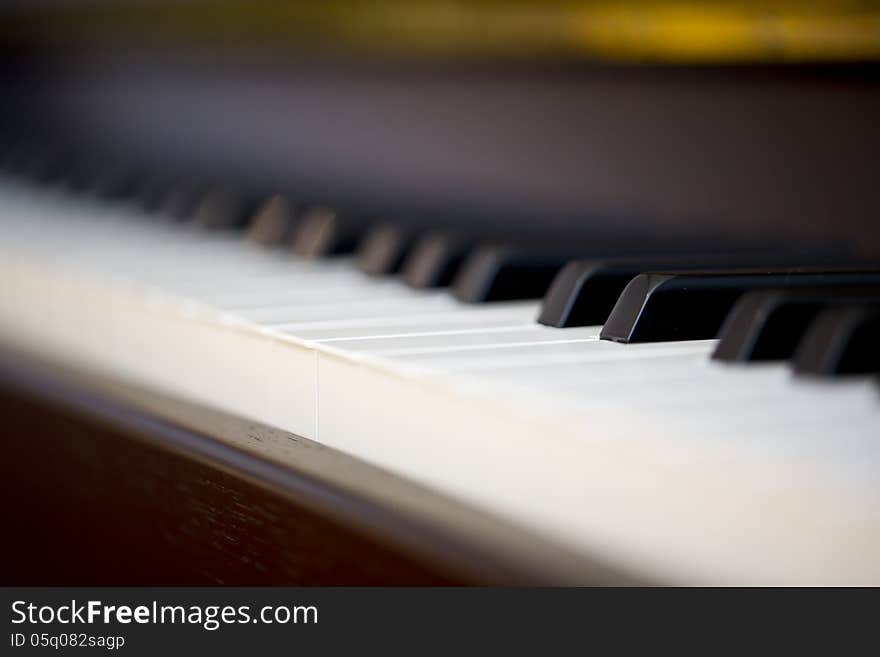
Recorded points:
(702,472)
(299,289)
(498,315)
(588,348)
(281,318)
(434,341)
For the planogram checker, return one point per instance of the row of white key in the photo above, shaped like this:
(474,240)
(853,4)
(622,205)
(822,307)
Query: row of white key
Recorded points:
(489,351)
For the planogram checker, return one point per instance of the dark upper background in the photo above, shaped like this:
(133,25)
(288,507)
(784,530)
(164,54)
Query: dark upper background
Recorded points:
(749,117)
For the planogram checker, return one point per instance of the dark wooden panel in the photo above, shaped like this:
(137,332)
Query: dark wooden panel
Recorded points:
(787,151)
(88,502)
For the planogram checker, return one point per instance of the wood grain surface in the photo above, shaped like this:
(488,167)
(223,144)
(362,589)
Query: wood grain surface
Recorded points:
(90,504)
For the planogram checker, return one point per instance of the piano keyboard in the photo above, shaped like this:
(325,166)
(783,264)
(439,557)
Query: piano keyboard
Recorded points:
(648,454)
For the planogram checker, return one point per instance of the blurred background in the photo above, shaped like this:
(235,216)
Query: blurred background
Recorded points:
(553,117)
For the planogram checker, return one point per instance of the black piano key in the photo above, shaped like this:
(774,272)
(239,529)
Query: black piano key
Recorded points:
(7,160)
(82,175)
(584,291)
(119,184)
(768,324)
(151,192)
(179,200)
(100,176)
(666,306)
(501,273)
(14,156)
(221,208)
(384,249)
(44,166)
(842,340)
(434,260)
(272,223)
(321,233)
(21,161)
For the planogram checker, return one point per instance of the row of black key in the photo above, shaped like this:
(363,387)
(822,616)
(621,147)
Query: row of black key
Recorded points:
(690,301)
(821,331)
(638,292)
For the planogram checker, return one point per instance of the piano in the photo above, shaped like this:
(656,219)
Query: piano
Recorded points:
(427,298)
